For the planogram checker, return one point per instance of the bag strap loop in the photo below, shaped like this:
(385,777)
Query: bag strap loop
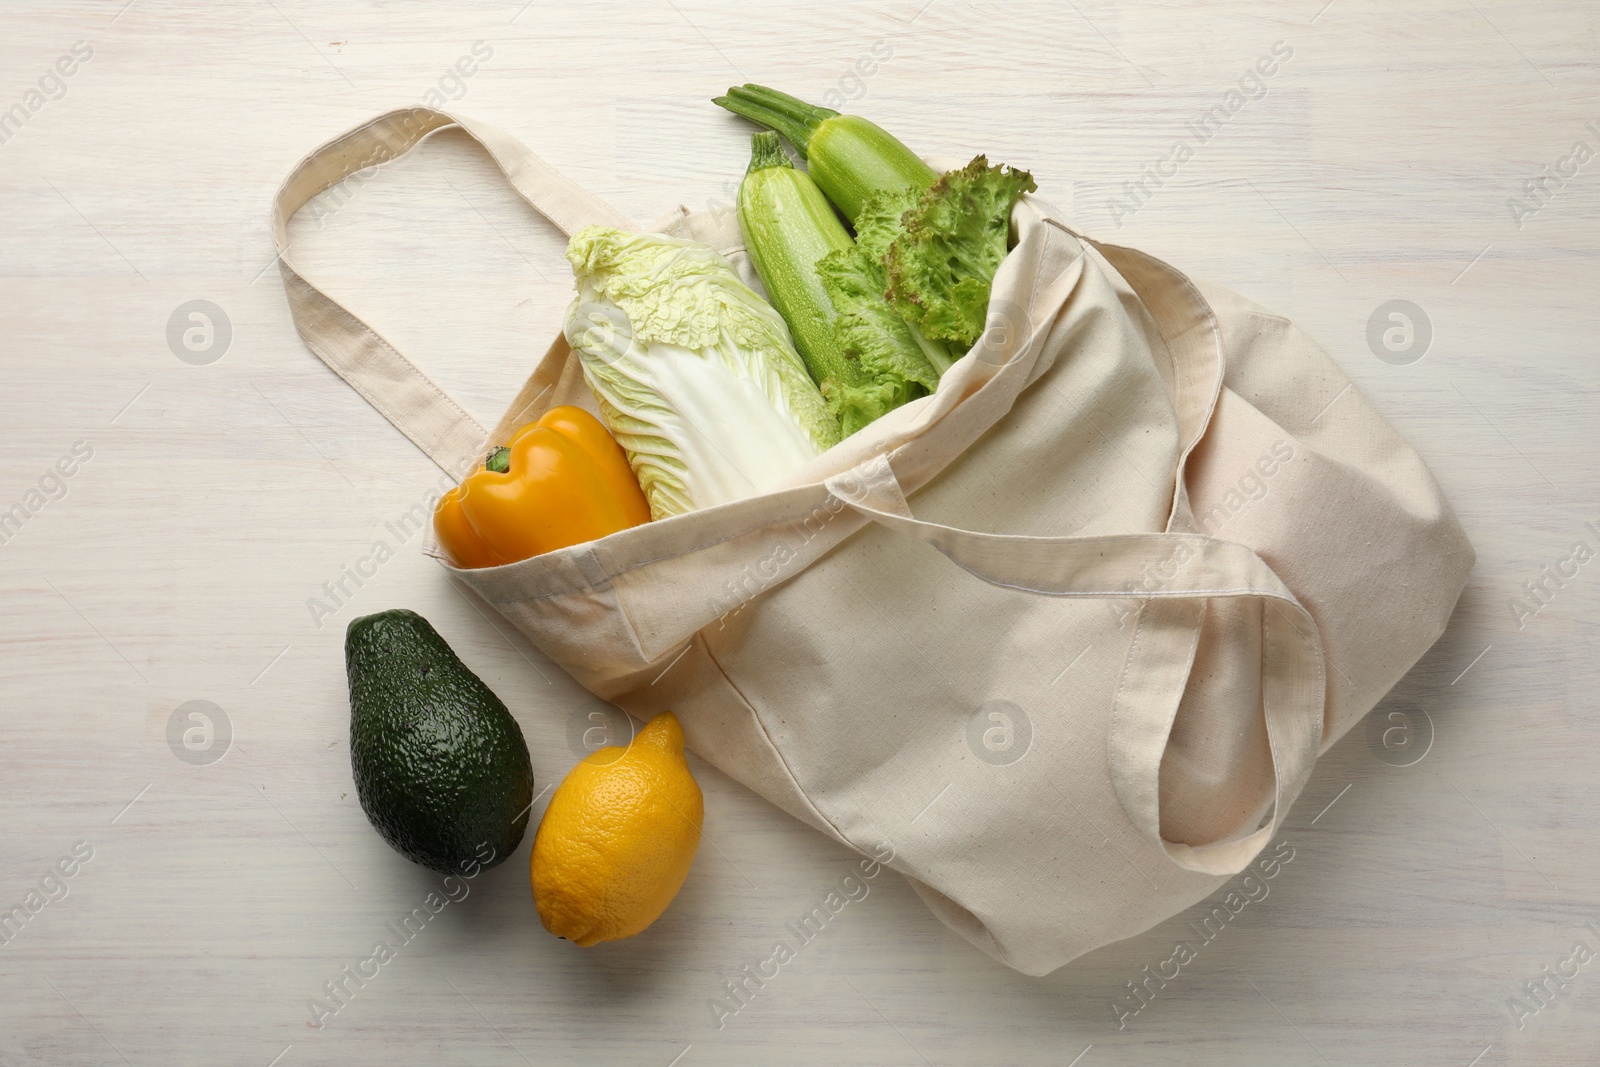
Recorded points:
(1189,330)
(1161,653)
(401,392)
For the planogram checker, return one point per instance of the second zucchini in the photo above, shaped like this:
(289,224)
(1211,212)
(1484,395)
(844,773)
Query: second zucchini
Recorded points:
(855,345)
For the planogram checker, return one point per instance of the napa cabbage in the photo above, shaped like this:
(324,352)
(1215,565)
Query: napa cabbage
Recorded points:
(696,375)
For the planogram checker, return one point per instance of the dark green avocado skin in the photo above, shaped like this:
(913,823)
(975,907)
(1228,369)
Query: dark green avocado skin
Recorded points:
(439,763)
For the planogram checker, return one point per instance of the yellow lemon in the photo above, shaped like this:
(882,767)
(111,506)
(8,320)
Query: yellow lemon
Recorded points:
(618,837)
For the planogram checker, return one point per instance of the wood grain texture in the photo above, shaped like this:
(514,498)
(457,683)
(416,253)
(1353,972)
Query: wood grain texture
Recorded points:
(1376,164)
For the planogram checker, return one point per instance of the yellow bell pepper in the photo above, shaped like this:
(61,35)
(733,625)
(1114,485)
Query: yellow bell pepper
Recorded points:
(560,481)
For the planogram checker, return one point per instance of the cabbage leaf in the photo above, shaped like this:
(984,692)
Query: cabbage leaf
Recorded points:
(696,375)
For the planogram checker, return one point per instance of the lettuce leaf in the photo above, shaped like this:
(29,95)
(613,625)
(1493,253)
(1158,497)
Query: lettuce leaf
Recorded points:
(940,266)
(897,363)
(892,369)
(878,223)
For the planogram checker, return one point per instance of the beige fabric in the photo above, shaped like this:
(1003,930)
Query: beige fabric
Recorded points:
(373,367)
(1183,595)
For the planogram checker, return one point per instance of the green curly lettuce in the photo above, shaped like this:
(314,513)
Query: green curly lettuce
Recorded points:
(940,266)
(896,362)
(878,222)
(870,332)
(877,225)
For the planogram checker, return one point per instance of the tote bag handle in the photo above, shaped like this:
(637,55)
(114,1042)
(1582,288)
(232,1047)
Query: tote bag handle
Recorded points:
(1161,653)
(1166,636)
(394,385)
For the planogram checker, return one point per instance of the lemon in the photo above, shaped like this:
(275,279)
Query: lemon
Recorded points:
(618,837)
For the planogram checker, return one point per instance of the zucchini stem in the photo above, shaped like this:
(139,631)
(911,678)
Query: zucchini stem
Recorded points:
(766,150)
(788,115)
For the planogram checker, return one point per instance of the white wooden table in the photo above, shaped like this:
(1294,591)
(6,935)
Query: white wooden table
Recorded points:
(210,498)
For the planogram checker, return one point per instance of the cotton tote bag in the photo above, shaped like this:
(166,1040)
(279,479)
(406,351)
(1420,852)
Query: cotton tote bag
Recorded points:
(1064,638)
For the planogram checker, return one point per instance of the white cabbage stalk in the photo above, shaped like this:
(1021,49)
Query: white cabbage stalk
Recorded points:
(696,375)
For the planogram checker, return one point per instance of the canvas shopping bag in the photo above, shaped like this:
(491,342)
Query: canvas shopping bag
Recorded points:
(1066,637)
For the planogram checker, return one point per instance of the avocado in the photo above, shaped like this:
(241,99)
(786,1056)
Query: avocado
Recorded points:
(439,763)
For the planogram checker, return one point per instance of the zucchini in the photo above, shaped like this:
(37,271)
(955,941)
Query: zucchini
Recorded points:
(849,158)
(856,347)
(788,226)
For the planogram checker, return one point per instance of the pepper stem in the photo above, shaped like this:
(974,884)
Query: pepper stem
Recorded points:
(499,460)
